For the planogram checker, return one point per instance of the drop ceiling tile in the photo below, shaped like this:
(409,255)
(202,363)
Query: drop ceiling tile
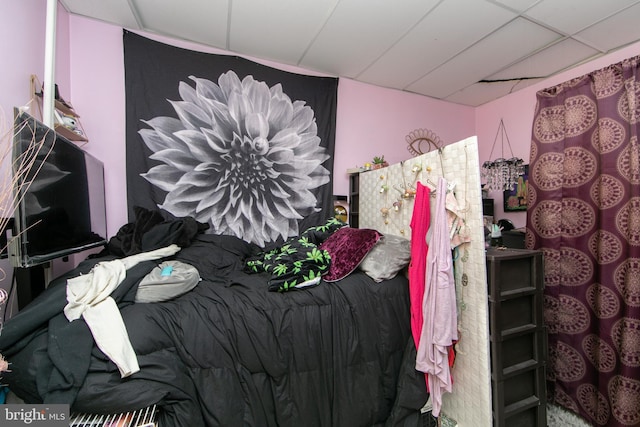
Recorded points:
(280,30)
(617,31)
(571,16)
(358,32)
(548,61)
(446,31)
(517,5)
(481,93)
(516,40)
(114,11)
(202,21)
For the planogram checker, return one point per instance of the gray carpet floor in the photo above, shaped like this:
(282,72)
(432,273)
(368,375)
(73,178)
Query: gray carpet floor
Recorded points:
(560,417)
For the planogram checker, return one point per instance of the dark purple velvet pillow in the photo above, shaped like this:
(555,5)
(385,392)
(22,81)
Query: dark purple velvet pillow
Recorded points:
(348,247)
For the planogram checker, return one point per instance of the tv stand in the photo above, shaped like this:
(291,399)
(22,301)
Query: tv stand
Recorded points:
(30,282)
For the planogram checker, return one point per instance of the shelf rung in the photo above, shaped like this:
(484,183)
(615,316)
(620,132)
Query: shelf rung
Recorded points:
(519,406)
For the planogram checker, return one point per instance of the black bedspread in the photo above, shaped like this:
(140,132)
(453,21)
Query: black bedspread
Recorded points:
(230,353)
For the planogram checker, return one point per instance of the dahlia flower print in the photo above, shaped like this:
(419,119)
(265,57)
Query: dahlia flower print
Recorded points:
(240,156)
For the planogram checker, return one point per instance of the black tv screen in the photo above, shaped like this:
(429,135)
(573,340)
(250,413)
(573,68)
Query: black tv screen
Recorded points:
(62,210)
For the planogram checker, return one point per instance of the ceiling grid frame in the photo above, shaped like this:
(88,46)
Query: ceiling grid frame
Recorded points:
(303,34)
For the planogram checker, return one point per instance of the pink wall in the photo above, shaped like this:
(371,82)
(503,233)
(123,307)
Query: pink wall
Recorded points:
(98,96)
(374,121)
(22,44)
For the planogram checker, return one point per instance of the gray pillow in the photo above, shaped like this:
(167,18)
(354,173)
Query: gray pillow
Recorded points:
(168,280)
(390,255)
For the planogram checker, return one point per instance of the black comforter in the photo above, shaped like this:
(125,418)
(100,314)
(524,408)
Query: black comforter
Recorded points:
(230,353)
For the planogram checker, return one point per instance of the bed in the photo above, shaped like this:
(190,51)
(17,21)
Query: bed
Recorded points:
(238,349)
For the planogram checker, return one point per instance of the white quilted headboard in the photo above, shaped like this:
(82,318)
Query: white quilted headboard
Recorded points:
(386,204)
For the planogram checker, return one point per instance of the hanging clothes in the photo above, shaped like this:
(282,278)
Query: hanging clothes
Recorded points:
(417,267)
(419,224)
(88,296)
(439,331)
(458,230)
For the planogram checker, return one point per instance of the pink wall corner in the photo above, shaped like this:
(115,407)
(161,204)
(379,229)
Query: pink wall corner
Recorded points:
(374,121)
(98,96)
(22,35)
(516,111)
(22,43)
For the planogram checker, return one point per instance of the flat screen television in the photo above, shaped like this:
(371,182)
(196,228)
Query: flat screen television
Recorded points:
(62,210)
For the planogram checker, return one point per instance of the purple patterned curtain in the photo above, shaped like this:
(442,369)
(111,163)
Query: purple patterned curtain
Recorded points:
(584,213)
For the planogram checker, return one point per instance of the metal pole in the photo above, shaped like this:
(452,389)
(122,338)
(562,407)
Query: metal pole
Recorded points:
(48,97)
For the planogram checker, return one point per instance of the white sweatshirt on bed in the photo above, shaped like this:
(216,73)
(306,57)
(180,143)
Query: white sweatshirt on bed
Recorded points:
(88,296)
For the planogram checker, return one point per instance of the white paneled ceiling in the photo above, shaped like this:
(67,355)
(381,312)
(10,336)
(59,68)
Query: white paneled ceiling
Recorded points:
(464,51)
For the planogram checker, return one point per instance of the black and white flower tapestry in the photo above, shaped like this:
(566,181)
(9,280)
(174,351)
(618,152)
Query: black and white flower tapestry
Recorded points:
(245,148)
